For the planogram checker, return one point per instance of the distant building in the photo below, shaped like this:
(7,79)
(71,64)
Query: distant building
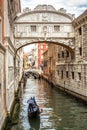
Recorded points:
(30,58)
(25,60)
(42,47)
(50,62)
(45,64)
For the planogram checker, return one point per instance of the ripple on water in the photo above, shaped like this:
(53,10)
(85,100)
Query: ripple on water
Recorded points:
(60,112)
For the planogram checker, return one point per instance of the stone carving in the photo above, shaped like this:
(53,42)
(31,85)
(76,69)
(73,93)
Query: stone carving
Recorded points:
(26,10)
(67,42)
(44,17)
(43,21)
(44,7)
(62,10)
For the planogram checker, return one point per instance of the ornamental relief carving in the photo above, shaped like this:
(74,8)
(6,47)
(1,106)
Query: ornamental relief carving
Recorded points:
(68,42)
(44,17)
(45,24)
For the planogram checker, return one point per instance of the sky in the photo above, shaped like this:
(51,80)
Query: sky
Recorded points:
(28,48)
(72,6)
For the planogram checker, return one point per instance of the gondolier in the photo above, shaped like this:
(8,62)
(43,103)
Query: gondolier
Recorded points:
(33,109)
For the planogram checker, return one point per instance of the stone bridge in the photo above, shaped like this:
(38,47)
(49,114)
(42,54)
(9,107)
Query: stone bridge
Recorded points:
(44,24)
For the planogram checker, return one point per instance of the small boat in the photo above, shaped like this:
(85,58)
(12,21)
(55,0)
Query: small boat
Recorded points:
(34,110)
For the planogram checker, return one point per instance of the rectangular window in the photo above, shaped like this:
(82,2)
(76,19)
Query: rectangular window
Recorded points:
(56,28)
(67,74)
(62,54)
(80,31)
(80,51)
(58,55)
(72,75)
(33,28)
(45,63)
(79,75)
(67,53)
(61,74)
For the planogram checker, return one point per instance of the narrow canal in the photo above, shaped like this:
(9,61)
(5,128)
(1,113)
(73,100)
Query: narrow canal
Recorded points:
(60,111)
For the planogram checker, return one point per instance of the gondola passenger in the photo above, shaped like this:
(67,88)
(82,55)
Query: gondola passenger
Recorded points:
(31,104)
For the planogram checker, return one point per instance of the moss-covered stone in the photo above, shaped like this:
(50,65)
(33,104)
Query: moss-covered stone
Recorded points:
(15,116)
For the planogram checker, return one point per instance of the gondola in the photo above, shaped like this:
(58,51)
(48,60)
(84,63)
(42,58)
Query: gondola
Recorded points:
(35,111)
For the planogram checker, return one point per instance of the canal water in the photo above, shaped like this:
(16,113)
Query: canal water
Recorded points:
(60,111)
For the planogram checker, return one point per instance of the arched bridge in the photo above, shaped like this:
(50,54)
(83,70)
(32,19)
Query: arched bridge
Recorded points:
(44,24)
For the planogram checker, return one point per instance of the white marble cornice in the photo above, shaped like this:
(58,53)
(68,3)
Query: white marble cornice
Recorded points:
(46,11)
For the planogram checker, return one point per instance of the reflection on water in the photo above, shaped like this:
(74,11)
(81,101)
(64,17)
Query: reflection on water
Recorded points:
(34,123)
(60,112)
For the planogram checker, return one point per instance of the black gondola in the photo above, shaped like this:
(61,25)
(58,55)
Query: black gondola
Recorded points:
(33,108)
(34,113)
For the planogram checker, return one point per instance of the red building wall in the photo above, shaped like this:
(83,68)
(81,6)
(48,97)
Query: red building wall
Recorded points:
(42,47)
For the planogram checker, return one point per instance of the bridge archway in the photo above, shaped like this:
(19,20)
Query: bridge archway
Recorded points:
(70,49)
(44,24)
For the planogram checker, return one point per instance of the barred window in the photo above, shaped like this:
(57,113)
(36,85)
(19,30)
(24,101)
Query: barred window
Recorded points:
(72,75)
(33,28)
(80,31)
(61,74)
(80,51)
(56,28)
(58,55)
(62,54)
(67,53)
(67,74)
(45,63)
(79,75)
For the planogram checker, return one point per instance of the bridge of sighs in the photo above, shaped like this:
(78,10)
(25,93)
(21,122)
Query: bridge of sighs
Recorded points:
(44,24)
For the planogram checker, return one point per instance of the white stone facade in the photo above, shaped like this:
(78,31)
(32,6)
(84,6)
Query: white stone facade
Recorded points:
(8,82)
(2,84)
(44,24)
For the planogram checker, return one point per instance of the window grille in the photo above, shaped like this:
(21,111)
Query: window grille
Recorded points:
(33,28)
